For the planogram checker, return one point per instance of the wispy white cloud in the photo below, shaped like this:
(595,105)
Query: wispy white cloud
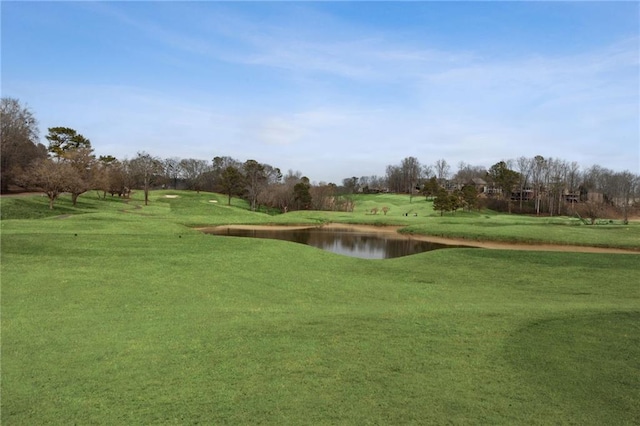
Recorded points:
(353,100)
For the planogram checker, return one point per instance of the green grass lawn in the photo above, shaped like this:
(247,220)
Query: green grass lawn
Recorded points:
(120,314)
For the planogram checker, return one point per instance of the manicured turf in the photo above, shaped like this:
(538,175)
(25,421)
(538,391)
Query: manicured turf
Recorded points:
(119,314)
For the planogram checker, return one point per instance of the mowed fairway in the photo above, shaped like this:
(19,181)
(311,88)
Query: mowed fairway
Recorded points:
(120,314)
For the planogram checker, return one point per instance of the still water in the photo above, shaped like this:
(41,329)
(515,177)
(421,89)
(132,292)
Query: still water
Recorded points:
(345,241)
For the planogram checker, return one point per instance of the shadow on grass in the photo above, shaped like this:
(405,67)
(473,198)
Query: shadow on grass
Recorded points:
(586,366)
(37,207)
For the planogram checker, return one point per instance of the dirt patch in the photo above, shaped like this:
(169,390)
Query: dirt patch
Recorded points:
(520,246)
(494,245)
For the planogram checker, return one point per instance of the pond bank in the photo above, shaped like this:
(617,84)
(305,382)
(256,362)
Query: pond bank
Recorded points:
(494,245)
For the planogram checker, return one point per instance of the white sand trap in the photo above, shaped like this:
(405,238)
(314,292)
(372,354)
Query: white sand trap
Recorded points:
(171,196)
(213,201)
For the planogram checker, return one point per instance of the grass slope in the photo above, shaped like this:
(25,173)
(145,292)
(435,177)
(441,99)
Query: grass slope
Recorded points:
(119,314)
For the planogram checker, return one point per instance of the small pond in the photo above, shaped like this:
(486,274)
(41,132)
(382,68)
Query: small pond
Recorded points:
(346,241)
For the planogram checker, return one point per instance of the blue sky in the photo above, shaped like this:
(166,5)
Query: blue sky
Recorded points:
(334,89)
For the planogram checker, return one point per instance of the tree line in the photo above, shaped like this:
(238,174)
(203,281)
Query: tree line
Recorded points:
(68,165)
(527,185)
(535,185)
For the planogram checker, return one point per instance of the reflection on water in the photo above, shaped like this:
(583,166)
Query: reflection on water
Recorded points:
(349,242)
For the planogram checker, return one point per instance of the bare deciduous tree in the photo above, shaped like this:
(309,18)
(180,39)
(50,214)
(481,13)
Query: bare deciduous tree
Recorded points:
(394,178)
(411,173)
(323,197)
(144,168)
(625,183)
(83,163)
(525,168)
(49,176)
(193,171)
(538,169)
(19,144)
(442,170)
(172,171)
(466,173)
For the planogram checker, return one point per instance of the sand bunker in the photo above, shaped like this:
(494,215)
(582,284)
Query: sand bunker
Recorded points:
(171,196)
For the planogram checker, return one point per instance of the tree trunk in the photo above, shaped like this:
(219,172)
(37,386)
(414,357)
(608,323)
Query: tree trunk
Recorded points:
(521,191)
(146,188)
(560,204)
(625,209)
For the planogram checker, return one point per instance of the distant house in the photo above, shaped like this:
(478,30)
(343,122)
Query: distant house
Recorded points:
(527,194)
(480,184)
(571,197)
